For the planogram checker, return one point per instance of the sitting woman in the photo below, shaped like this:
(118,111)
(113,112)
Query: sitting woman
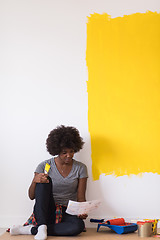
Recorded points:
(66,180)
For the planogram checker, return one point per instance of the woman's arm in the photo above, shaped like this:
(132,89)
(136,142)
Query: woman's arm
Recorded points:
(81,194)
(38,178)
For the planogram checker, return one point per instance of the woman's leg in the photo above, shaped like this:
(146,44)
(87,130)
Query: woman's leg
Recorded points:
(44,209)
(70,226)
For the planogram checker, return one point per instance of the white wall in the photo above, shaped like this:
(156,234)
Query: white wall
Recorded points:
(43,84)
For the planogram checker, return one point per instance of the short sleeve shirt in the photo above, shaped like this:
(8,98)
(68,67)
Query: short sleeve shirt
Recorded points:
(64,188)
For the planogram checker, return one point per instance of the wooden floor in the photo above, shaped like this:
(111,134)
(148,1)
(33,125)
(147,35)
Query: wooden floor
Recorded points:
(91,234)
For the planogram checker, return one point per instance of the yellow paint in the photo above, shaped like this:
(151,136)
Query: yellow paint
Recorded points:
(123,60)
(47,167)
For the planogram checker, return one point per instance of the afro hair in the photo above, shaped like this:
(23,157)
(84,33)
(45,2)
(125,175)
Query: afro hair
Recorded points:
(63,137)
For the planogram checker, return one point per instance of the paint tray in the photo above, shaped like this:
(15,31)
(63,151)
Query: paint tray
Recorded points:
(120,229)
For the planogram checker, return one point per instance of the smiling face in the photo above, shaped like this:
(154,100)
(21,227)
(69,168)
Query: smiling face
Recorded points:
(66,155)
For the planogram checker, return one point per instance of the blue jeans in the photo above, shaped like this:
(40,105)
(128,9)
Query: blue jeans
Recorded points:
(44,211)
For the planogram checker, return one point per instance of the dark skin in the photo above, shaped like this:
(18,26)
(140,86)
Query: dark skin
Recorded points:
(64,163)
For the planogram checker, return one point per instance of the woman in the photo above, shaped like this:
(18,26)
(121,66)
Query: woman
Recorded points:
(66,180)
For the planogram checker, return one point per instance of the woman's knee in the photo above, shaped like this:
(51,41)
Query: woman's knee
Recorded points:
(78,226)
(40,187)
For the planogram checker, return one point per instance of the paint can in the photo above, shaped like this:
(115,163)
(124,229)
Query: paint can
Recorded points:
(144,228)
(154,225)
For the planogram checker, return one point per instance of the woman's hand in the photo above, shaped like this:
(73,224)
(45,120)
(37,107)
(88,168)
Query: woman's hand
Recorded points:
(41,178)
(38,178)
(83,216)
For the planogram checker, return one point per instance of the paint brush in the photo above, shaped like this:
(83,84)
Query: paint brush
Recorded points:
(47,167)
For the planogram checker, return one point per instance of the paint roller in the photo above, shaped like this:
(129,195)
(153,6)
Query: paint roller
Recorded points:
(116,221)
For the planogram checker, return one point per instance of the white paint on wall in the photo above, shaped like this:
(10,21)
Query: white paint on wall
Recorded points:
(43,84)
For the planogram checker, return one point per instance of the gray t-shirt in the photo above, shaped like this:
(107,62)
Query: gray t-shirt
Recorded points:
(64,189)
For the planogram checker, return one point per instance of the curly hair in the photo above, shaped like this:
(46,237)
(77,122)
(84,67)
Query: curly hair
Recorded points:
(63,137)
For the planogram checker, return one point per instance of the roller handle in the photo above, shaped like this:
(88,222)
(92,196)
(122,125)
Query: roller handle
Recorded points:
(97,220)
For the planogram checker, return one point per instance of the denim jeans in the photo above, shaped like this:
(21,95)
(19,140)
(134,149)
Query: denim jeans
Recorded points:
(44,211)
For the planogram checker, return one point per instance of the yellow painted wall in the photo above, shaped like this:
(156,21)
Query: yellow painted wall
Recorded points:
(123,60)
